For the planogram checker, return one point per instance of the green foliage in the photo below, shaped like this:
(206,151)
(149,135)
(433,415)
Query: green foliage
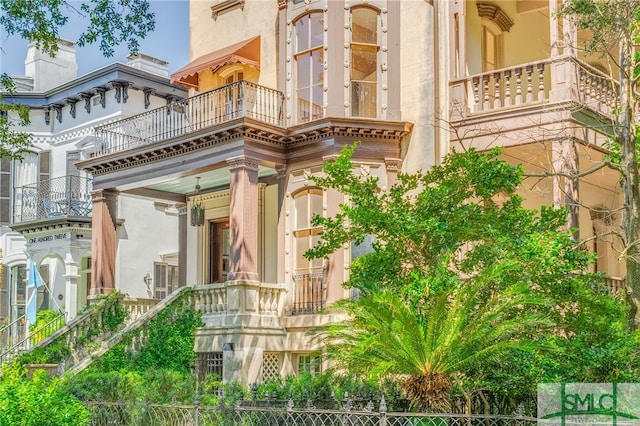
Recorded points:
(154,386)
(47,322)
(169,345)
(109,22)
(426,221)
(460,275)
(37,401)
(113,315)
(327,386)
(13,144)
(606,21)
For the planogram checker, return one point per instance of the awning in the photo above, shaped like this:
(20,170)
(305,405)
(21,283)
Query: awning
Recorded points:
(246,52)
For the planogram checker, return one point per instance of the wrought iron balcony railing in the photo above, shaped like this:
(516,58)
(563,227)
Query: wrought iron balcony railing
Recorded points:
(58,197)
(310,293)
(240,99)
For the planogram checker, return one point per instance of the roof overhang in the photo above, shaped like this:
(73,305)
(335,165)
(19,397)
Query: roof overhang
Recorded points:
(246,52)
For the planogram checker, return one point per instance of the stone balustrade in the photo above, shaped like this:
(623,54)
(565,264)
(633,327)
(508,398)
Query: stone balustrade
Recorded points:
(534,83)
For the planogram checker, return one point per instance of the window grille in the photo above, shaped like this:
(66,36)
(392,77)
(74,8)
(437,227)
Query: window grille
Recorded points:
(209,363)
(270,366)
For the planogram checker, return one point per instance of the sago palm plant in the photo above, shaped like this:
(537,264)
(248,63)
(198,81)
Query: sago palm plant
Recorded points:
(430,342)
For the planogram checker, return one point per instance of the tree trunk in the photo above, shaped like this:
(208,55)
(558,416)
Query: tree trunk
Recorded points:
(626,137)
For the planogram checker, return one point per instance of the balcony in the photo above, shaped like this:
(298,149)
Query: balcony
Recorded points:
(237,100)
(310,293)
(533,86)
(65,196)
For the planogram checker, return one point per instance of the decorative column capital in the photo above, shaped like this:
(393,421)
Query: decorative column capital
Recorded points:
(102,195)
(243,162)
(393,164)
(281,171)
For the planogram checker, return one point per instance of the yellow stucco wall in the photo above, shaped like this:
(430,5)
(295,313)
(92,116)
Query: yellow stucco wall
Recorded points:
(233,26)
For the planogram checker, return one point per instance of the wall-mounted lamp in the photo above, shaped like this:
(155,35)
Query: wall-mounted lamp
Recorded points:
(228,346)
(197,209)
(148,280)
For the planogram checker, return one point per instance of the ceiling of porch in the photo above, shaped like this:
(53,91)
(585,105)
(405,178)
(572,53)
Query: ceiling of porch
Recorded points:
(185,185)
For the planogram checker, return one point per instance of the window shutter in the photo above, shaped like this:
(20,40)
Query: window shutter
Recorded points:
(5,190)
(45,165)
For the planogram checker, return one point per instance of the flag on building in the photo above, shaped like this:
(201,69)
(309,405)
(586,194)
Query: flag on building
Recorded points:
(34,280)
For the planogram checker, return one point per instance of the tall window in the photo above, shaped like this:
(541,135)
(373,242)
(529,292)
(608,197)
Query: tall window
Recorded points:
(18,290)
(25,172)
(307,203)
(364,62)
(309,66)
(219,251)
(5,190)
(310,289)
(42,301)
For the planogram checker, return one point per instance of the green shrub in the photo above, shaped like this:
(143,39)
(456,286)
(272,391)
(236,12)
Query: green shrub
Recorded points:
(37,401)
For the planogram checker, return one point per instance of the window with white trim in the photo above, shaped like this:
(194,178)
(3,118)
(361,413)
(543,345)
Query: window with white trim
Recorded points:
(307,203)
(309,363)
(364,62)
(165,279)
(309,57)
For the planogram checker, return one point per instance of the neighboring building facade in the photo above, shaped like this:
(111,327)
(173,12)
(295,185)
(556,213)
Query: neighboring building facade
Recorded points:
(276,89)
(519,80)
(46,201)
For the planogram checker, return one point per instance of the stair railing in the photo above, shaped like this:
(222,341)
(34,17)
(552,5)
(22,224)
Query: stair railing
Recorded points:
(33,338)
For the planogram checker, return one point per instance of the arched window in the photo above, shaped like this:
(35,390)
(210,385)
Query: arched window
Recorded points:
(364,62)
(495,22)
(309,56)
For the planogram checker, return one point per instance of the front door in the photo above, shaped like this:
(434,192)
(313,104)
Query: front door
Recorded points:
(219,250)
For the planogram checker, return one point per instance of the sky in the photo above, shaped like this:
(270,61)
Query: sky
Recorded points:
(169,41)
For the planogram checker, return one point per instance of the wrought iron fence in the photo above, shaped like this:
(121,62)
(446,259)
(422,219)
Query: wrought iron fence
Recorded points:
(134,414)
(240,99)
(62,196)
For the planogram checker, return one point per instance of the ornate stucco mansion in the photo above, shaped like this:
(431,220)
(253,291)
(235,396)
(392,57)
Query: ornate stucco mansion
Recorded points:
(275,89)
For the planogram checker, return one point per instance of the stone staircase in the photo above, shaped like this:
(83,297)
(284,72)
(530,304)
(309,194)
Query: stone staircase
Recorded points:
(112,318)
(74,345)
(17,337)
(135,326)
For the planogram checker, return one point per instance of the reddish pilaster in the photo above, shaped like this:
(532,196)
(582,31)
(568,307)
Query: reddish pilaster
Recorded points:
(282,218)
(103,241)
(243,219)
